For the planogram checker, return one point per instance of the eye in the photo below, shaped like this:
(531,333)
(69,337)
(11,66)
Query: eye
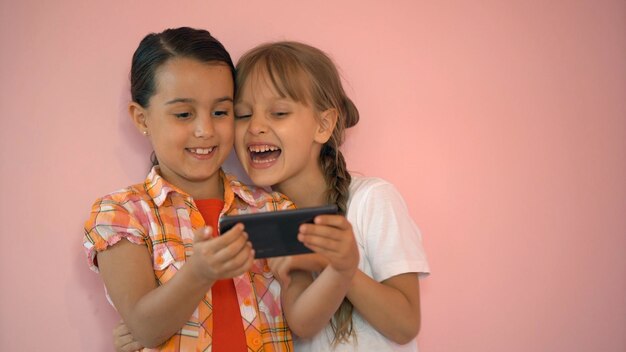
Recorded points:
(280,114)
(183,115)
(242,115)
(221,113)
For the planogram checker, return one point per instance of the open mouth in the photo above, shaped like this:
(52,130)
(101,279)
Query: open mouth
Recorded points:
(262,154)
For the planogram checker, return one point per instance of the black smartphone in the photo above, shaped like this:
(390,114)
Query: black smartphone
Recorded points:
(274,233)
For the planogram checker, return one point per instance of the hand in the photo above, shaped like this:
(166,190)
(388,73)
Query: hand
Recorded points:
(222,257)
(331,236)
(281,267)
(123,340)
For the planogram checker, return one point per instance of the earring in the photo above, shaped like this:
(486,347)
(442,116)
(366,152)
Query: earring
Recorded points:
(145,133)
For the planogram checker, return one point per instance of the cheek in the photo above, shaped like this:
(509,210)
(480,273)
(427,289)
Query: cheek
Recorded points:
(240,132)
(296,136)
(226,130)
(240,148)
(160,140)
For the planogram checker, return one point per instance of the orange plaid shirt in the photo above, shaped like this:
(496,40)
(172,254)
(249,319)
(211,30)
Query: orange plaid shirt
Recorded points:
(161,217)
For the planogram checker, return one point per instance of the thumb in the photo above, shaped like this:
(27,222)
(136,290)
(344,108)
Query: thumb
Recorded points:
(202,234)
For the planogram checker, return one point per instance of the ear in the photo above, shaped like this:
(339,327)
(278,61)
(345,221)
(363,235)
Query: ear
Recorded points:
(138,115)
(327,122)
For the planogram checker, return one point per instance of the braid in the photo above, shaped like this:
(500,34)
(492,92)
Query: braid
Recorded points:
(337,177)
(338,180)
(332,161)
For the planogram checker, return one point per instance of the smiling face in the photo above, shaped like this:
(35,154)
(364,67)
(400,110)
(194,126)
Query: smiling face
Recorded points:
(189,121)
(278,140)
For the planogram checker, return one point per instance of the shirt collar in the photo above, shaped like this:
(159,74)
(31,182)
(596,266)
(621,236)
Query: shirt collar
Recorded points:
(254,196)
(159,189)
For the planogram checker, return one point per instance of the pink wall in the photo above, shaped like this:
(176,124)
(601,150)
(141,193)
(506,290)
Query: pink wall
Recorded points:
(503,124)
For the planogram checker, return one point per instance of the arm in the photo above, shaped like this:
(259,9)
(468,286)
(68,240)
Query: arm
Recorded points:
(392,307)
(388,297)
(310,304)
(154,313)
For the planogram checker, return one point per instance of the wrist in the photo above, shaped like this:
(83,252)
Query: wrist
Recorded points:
(196,275)
(346,274)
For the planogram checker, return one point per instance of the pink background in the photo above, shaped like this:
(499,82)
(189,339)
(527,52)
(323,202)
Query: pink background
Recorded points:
(503,123)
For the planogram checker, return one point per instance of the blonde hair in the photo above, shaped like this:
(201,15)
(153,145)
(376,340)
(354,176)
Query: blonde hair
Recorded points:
(307,75)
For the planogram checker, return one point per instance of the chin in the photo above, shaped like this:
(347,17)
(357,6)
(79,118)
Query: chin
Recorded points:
(263,178)
(202,175)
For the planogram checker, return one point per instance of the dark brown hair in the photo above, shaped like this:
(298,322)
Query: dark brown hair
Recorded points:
(307,75)
(155,49)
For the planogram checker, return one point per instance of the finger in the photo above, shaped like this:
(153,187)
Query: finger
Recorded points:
(249,262)
(121,341)
(283,274)
(120,329)
(233,264)
(231,235)
(202,234)
(328,232)
(277,264)
(328,247)
(283,277)
(329,252)
(223,247)
(227,249)
(242,261)
(133,346)
(320,234)
(338,221)
(273,263)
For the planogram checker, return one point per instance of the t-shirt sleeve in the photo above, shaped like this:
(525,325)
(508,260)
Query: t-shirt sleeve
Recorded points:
(109,222)
(392,241)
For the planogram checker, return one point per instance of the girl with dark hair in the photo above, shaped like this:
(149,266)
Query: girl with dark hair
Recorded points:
(291,113)
(176,284)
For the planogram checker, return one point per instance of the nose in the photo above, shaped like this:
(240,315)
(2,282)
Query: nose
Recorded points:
(257,124)
(203,127)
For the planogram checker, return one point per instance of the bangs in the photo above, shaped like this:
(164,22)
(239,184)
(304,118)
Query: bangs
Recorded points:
(277,70)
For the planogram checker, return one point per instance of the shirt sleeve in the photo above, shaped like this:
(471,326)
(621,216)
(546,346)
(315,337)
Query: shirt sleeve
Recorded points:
(282,202)
(108,223)
(392,241)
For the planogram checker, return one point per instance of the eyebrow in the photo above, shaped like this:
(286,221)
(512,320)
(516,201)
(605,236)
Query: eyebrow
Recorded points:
(189,100)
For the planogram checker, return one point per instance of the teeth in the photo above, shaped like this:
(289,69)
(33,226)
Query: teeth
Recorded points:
(202,151)
(263,161)
(262,148)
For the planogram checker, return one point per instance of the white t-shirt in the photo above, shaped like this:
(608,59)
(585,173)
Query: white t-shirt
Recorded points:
(389,244)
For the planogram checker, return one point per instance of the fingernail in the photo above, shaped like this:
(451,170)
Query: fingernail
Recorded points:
(207,230)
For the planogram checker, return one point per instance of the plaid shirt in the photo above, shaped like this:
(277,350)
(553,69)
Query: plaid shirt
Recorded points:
(161,217)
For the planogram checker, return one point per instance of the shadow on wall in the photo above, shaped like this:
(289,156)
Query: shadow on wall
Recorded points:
(92,296)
